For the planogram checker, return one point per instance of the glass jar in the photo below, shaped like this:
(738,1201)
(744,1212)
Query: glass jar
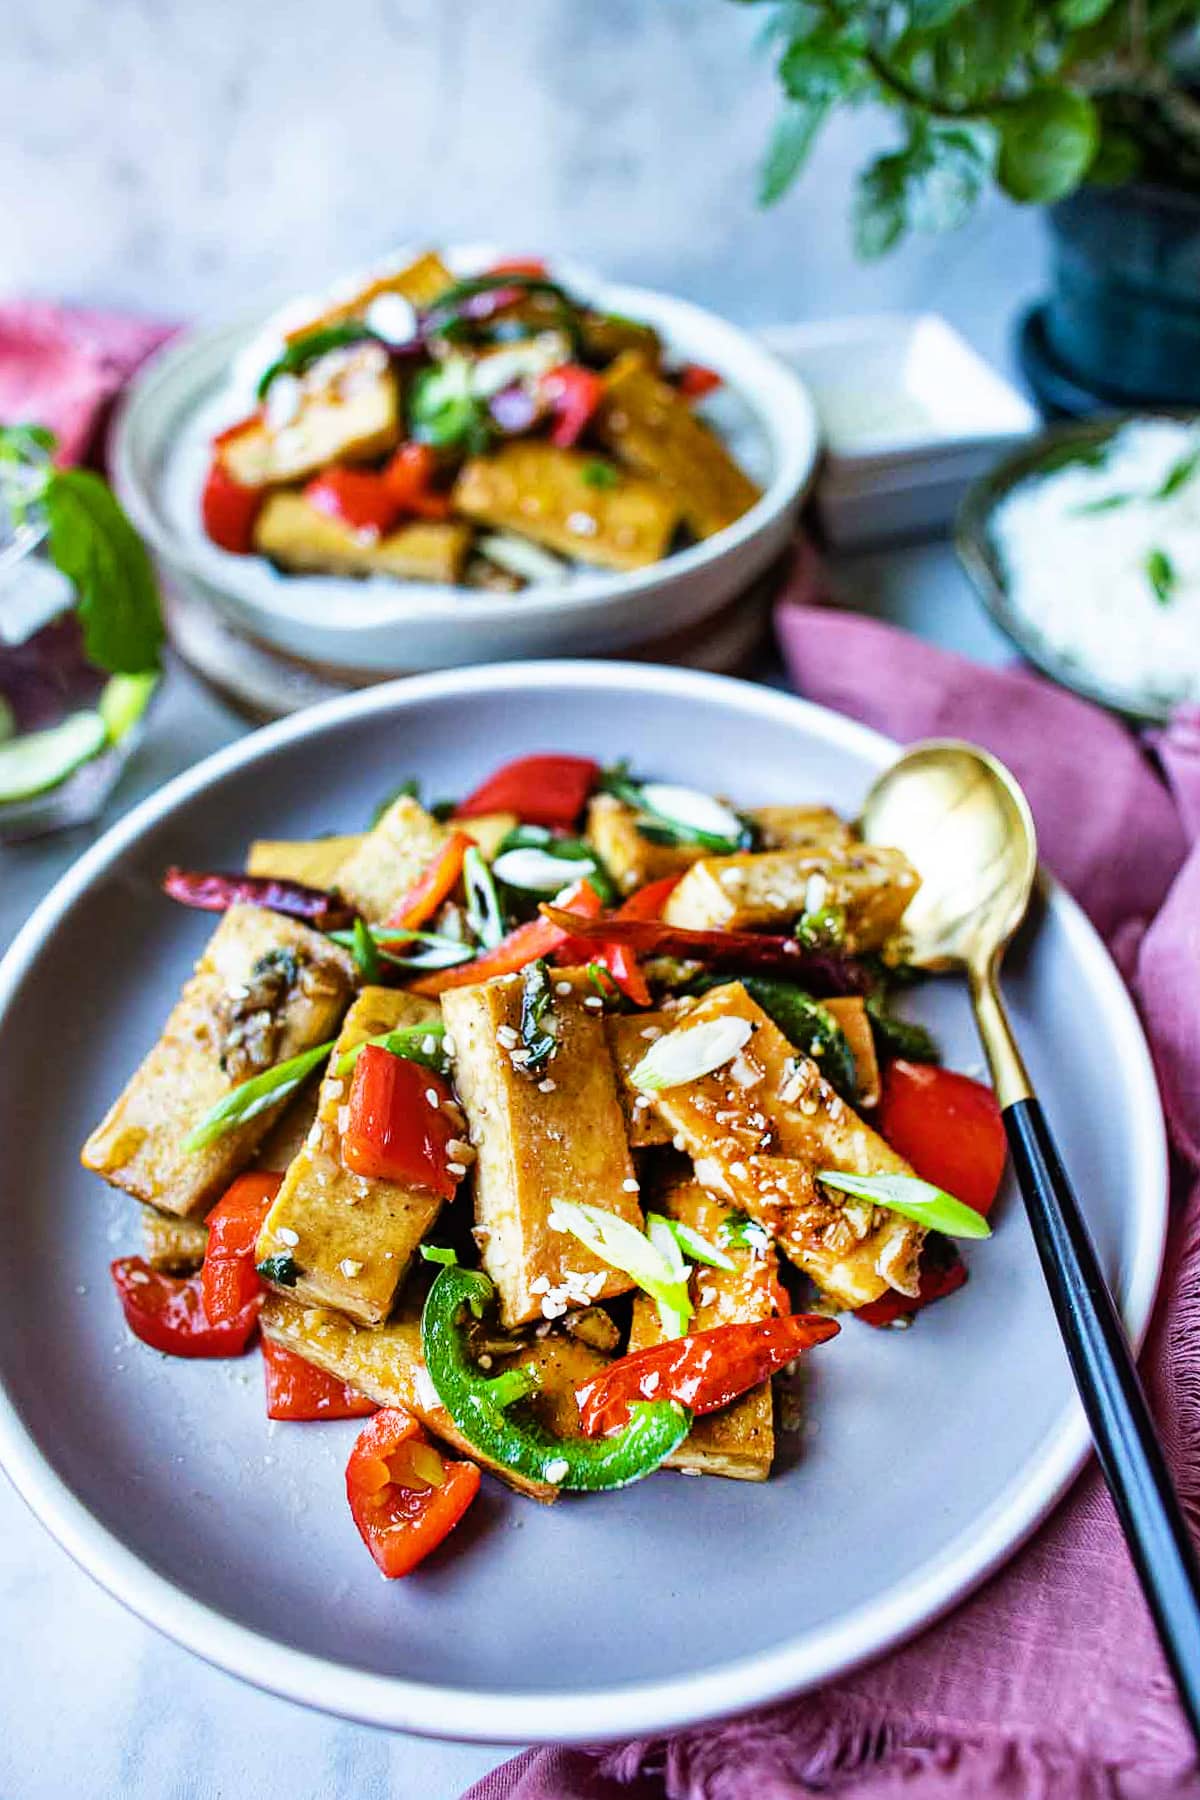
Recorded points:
(66,728)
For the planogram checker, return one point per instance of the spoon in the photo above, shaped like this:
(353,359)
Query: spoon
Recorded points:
(963,822)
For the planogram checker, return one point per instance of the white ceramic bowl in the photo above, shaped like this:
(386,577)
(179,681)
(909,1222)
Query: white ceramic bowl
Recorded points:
(380,626)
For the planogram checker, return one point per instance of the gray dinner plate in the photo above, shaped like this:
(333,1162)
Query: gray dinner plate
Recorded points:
(926,1456)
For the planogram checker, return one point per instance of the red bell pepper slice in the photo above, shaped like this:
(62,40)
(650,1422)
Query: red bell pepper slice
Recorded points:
(694,381)
(821,972)
(435,884)
(229,1281)
(541,790)
(704,1371)
(521,265)
(410,479)
(398,1128)
(574,394)
(405,1497)
(297,1390)
(357,498)
(948,1127)
(620,959)
(167,1312)
(229,510)
(648,902)
(529,942)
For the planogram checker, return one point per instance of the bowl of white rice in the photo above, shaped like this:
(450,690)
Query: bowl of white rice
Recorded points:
(1085,547)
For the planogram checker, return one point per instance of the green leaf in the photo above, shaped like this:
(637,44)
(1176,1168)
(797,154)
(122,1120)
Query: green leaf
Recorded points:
(1047,141)
(443,411)
(1162,576)
(947,173)
(250,1098)
(1076,14)
(123,700)
(930,1206)
(904,1038)
(792,138)
(1180,476)
(821,65)
(879,215)
(302,352)
(26,443)
(930,15)
(97,549)
(282,1269)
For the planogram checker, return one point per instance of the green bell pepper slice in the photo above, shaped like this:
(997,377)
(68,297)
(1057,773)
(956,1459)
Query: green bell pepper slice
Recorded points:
(486,1409)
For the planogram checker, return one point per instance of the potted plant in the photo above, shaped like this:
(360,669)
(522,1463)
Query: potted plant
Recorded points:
(1088,107)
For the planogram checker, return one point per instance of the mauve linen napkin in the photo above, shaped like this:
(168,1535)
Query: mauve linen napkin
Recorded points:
(1048,1682)
(63,366)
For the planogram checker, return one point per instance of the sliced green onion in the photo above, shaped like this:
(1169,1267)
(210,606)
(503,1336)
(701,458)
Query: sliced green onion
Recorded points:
(690,1052)
(302,352)
(439,1253)
(739,1228)
(415,1043)
(258,1095)
(914,1199)
(697,1247)
(483,903)
(282,1269)
(674,1304)
(624,1247)
(604,984)
(362,948)
(538,871)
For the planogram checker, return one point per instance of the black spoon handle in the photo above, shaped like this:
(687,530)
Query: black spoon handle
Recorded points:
(1126,1443)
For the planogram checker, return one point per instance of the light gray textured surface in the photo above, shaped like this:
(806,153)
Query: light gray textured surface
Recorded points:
(178,159)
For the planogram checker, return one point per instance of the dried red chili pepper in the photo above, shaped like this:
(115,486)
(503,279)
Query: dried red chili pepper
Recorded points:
(212,891)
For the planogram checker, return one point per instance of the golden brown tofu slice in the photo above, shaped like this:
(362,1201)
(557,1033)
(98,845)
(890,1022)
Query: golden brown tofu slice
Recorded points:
(629,1037)
(393,855)
(419,282)
(739,1440)
(558,1134)
(176,1246)
(759,1128)
(315,861)
(351,1238)
(551,496)
(388,1367)
(632,860)
(266,988)
(489,831)
(651,428)
(851,1014)
(347,410)
(299,537)
(747,892)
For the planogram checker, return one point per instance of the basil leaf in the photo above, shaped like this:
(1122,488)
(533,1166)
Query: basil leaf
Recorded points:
(250,1098)
(1162,576)
(914,1199)
(537,1003)
(97,549)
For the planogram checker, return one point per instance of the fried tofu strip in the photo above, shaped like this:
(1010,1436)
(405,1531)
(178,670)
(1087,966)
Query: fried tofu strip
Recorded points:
(759,1128)
(299,537)
(850,1013)
(388,1367)
(348,410)
(176,1246)
(376,876)
(738,1441)
(352,1238)
(746,892)
(547,494)
(555,1135)
(650,427)
(139,1144)
(632,860)
(316,861)
(419,282)
(629,1037)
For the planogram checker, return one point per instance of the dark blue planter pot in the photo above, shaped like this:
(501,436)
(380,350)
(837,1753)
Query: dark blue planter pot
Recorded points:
(1122,322)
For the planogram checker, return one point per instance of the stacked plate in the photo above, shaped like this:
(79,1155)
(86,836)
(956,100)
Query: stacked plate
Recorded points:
(910,415)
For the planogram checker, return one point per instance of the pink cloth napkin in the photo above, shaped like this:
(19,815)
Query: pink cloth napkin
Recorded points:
(63,367)
(1049,1681)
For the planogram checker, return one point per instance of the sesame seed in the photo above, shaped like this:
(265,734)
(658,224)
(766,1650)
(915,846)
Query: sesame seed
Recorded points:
(484,1360)
(558,1470)
(679,1141)
(507,1037)
(630,1186)
(651,1032)
(350,1267)
(594,1003)
(456,1168)
(562,987)
(429,1044)
(433,1097)
(547,1087)
(449,1045)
